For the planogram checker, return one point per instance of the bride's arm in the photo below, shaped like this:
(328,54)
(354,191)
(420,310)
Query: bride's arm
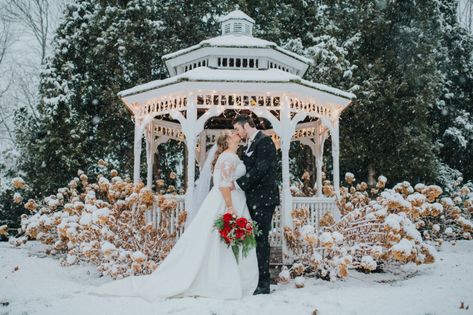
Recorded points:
(227,196)
(227,171)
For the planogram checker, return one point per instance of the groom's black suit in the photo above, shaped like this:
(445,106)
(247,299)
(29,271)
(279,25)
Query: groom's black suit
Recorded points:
(262,195)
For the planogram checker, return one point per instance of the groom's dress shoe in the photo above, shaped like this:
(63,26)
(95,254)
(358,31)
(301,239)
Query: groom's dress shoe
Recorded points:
(260,290)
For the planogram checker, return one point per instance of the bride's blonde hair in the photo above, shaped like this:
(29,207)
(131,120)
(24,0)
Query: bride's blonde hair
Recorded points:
(222,145)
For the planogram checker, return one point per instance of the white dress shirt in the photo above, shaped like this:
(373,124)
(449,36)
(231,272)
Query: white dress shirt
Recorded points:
(250,141)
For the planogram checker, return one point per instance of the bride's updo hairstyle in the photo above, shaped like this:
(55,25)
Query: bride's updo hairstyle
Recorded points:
(222,145)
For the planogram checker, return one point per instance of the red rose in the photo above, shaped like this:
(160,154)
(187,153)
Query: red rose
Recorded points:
(227,229)
(241,222)
(240,234)
(227,217)
(249,228)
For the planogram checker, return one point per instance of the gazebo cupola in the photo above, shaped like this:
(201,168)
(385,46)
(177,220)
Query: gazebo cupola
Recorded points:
(236,23)
(236,48)
(235,72)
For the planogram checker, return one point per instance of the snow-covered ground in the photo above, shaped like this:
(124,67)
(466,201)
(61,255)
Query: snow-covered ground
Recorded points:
(32,283)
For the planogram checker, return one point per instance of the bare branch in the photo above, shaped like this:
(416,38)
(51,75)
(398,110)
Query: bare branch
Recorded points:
(34,14)
(28,92)
(4,39)
(4,119)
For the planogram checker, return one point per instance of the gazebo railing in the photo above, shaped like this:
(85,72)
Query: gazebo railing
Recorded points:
(154,215)
(317,206)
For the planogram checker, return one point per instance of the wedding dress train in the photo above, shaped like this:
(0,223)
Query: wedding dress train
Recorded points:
(200,264)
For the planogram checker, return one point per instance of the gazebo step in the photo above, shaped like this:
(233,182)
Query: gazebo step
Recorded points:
(275,263)
(275,256)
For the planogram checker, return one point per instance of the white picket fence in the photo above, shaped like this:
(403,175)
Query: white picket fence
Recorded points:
(317,206)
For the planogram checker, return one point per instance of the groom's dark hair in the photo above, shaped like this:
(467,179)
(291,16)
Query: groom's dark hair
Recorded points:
(242,119)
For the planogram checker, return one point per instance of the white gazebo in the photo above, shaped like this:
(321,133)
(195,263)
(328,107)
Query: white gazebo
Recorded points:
(238,72)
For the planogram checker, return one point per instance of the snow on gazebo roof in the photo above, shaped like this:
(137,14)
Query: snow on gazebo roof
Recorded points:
(237,41)
(204,74)
(237,15)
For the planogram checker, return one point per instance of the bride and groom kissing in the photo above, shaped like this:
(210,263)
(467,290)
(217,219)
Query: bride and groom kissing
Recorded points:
(200,264)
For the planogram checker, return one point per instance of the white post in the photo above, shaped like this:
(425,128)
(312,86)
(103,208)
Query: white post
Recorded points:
(191,142)
(203,149)
(319,158)
(285,135)
(137,150)
(286,192)
(336,156)
(150,151)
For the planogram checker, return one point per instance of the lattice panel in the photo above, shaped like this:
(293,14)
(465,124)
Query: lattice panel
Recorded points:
(170,132)
(297,105)
(163,106)
(233,100)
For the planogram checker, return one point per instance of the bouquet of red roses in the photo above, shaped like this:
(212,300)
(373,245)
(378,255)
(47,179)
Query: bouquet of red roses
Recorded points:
(237,232)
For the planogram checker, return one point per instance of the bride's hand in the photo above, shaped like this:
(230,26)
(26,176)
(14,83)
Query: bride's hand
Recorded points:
(231,210)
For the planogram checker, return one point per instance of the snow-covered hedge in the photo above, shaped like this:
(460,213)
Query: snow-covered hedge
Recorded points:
(102,223)
(379,227)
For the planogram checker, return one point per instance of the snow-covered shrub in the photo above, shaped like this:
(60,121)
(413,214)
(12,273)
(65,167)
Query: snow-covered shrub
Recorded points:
(308,246)
(379,226)
(103,223)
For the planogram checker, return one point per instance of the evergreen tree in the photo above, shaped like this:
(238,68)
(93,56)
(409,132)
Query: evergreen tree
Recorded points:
(385,53)
(392,70)
(454,110)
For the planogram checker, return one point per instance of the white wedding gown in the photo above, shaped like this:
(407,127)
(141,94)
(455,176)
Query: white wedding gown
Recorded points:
(200,264)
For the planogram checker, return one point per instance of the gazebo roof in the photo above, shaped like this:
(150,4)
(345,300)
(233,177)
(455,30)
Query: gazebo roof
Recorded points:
(204,74)
(237,41)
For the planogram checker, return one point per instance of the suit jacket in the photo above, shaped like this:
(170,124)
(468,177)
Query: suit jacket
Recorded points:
(260,181)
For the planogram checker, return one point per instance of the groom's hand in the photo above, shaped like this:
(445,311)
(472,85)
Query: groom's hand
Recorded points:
(232,187)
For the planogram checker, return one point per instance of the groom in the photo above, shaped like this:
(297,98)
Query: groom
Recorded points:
(259,184)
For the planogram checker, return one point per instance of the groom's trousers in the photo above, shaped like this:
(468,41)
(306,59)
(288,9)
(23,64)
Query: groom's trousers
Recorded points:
(263,217)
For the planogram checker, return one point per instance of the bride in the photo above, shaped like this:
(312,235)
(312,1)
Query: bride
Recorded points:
(200,264)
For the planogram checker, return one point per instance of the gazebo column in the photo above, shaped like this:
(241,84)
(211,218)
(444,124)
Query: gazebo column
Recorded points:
(203,149)
(140,125)
(191,145)
(336,156)
(332,123)
(150,152)
(286,191)
(319,157)
(137,150)
(189,129)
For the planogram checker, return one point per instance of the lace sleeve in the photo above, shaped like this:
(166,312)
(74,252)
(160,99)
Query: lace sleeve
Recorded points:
(226,168)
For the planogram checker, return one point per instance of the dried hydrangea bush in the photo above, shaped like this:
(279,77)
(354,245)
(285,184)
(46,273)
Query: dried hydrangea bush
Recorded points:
(379,227)
(102,223)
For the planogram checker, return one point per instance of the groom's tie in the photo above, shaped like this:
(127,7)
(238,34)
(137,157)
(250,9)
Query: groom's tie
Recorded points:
(248,146)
